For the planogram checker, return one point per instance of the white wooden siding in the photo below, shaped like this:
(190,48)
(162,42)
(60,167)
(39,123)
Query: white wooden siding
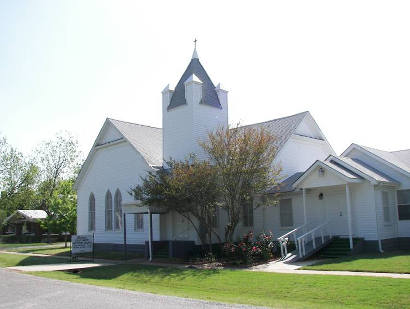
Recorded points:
(117,166)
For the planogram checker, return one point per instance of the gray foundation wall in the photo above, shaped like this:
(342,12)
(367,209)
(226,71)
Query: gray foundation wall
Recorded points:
(176,249)
(119,247)
(391,244)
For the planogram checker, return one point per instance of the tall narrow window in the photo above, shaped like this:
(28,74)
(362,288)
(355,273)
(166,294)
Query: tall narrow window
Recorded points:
(247,209)
(108,211)
(403,204)
(91,213)
(286,212)
(386,206)
(117,210)
(138,222)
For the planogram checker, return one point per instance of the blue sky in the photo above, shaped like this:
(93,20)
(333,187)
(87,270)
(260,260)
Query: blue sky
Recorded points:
(67,65)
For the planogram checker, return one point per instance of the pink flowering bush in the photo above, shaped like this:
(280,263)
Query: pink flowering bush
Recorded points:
(249,250)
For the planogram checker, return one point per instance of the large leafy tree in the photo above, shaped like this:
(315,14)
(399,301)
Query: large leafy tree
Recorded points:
(243,158)
(189,188)
(62,209)
(58,159)
(17,180)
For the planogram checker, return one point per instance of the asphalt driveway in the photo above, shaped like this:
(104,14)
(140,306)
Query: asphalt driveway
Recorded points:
(25,291)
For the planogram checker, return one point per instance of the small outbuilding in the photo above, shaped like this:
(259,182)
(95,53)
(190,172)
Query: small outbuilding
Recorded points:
(26,221)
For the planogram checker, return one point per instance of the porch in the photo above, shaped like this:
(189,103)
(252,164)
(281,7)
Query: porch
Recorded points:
(326,205)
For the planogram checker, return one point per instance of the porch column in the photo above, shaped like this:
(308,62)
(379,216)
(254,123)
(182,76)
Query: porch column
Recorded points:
(150,235)
(349,215)
(304,206)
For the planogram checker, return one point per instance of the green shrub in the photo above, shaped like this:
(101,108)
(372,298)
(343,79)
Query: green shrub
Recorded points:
(19,239)
(249,250)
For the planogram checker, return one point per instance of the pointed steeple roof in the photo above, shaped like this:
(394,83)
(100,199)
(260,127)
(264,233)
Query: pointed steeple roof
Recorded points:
(209,96)
(195,54)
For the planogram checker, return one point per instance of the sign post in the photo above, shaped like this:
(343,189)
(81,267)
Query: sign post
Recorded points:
(82,244)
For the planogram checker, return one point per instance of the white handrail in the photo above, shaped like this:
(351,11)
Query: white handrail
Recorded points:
(292,231)
(283,242)
(313,230)
(301,239)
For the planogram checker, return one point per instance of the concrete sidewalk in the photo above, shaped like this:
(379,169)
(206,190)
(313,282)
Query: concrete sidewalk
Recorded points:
(293,268)
(272,267)
(55,267)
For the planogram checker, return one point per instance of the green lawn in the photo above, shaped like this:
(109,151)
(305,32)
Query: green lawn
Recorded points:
(7,260)
(392,262)
(61,251)
(4,246)
(255,288)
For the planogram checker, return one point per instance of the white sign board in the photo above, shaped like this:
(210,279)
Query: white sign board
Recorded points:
(81,243)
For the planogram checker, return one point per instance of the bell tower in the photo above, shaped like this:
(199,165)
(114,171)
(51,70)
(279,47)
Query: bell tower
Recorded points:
(189,112)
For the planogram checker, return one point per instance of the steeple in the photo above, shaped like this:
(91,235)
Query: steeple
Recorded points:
(195,54)
(195,108)
(209,95)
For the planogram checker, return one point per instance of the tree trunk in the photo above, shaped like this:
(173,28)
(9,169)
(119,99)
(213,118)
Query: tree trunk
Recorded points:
(210,239)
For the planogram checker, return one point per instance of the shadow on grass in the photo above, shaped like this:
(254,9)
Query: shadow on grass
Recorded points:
(36,260)
(145,273)
(48,251)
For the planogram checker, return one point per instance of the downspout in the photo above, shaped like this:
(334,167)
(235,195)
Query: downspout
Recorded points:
(377,221)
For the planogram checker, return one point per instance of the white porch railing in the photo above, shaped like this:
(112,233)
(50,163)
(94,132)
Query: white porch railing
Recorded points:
(322,231)
(283,240)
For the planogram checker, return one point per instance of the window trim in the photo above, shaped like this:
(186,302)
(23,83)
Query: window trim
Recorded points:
(109,195)
(118,206)
(91,213)
(292,215)
(136,229)
(401,204)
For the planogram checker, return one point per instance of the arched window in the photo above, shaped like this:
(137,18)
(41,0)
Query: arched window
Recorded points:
(91,213)
(108,211)
(117,210)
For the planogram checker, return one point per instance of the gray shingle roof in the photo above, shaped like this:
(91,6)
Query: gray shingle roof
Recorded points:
(366,169)
(282,128)
(341,169)
(209,96)
(286,185)
(403,155)
(397,158)
(29,215)
(146,140)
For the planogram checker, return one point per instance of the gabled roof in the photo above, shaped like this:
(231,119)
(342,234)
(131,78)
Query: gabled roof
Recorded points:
(209,95)
(339,170)
(398,159)
(403,155)
(358,165)
(145,139)
(349,169)
(281,128)
(27,215)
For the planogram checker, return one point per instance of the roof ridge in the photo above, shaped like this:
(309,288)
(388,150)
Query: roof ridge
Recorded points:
(137,124)
(281,118)
(372,148)
(394,151)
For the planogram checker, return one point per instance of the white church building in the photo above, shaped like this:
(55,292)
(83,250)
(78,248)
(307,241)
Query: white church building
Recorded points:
(362,194)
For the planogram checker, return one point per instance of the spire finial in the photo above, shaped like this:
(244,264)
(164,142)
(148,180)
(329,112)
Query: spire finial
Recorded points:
(195,54)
